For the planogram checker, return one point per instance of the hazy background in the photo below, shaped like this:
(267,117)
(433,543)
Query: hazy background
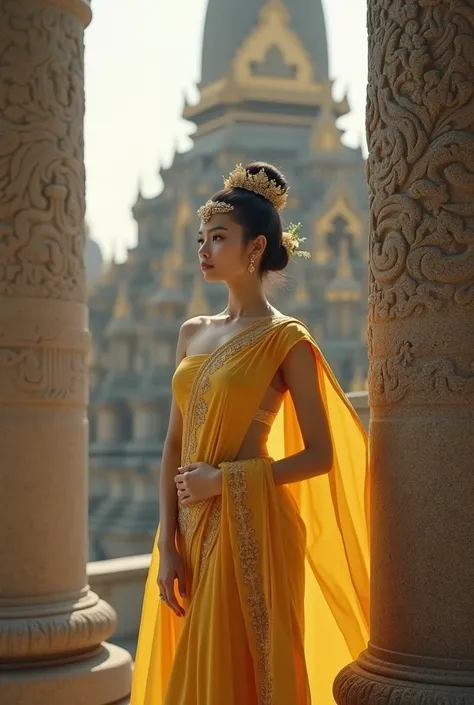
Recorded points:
(142,59)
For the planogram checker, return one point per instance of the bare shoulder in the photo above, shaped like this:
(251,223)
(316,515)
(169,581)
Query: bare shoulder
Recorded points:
(192,326)
(188,330)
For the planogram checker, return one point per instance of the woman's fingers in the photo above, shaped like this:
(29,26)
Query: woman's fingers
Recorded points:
(188,468)
(173,600)
(167,590)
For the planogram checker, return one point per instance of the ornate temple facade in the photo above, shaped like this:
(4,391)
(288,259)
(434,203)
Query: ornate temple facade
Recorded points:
(265,94)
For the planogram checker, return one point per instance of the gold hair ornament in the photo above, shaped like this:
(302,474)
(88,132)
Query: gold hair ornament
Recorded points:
(258,183)
(291,241)
(213,208)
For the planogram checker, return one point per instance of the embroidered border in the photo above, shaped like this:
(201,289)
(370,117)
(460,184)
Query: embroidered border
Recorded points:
(212,529)
(249,555)
(188,517)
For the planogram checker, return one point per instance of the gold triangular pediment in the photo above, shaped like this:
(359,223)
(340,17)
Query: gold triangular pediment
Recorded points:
(274,32)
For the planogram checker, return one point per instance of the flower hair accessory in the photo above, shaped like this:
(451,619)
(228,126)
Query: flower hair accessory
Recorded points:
(291,241)
(211,208)
(258,183)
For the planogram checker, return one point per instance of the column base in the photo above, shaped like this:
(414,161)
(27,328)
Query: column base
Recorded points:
(365,682)
(102,679)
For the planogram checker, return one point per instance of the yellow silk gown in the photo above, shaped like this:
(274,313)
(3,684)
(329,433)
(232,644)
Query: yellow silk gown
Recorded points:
(277,577)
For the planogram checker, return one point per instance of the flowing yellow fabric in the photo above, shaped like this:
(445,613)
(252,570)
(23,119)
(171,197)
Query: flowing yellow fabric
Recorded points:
(277,577)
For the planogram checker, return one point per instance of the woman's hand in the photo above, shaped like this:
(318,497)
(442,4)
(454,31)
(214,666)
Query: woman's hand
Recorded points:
(171,569)
(196,482)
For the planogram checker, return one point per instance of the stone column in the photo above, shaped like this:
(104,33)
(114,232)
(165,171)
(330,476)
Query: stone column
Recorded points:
(420,123)
(51,624)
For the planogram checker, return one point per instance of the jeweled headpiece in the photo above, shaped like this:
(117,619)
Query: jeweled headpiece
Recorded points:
(212,208)
(258,183)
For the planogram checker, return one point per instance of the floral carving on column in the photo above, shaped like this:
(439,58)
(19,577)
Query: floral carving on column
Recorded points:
(420,122)
(42,201)
(421,151)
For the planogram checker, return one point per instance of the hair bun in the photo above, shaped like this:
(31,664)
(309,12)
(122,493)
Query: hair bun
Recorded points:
(271,172)
(279,261)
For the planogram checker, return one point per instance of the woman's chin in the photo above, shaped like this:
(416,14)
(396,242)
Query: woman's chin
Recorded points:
(210,275)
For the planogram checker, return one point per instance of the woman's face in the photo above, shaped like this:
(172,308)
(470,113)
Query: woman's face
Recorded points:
(222,255)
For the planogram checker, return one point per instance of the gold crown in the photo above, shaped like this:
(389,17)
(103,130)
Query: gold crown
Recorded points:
(211,208)
(258,183)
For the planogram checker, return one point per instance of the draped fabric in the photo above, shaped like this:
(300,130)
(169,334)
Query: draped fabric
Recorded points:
(277,577)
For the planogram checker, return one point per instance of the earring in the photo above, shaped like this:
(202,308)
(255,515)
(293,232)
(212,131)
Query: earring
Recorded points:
(251,265)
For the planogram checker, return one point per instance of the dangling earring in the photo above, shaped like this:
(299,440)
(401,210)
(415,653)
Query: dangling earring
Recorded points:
(251,265)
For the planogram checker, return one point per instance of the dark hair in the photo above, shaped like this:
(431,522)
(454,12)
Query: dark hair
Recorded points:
(258,216)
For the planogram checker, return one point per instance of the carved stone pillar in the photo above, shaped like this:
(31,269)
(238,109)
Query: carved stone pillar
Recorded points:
(51,624)
(420,123)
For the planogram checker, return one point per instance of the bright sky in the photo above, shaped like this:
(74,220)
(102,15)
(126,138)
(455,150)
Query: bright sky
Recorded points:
(142,58)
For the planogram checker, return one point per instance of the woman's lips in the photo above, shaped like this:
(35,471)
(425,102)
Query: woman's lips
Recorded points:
(205,266)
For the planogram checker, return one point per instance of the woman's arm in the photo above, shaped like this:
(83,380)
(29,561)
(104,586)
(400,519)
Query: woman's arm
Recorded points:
(171,567)
(201,481)
(171,459)
(301,377)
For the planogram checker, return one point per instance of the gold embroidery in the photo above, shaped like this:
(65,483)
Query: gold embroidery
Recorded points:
(188,519)
(211,531)
(189,516)
(265,416)
(251,573)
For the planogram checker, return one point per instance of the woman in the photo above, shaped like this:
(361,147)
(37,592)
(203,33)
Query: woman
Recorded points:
(263,489)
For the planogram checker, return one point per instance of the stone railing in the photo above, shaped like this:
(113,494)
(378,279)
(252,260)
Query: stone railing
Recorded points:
(121,581)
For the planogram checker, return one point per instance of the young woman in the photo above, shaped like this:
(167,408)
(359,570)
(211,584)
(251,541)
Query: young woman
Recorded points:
(262,551)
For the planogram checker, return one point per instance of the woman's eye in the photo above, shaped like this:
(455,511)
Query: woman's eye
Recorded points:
(217,237)
(200,241)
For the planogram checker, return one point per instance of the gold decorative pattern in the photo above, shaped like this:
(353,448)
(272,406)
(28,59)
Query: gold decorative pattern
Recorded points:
(249,554)
(265,416)
(189,516)
(211,208)
(258,183)
(212,529)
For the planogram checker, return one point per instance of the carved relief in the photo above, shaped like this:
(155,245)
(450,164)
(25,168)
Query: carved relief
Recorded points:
(40,359)
(43,375)
(354,688)
(41,157)
(420,124)
(400,377)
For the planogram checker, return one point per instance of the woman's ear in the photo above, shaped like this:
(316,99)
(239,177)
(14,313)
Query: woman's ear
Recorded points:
(257,246)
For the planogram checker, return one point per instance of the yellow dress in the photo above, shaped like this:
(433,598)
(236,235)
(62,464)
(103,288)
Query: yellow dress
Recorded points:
(277,577)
